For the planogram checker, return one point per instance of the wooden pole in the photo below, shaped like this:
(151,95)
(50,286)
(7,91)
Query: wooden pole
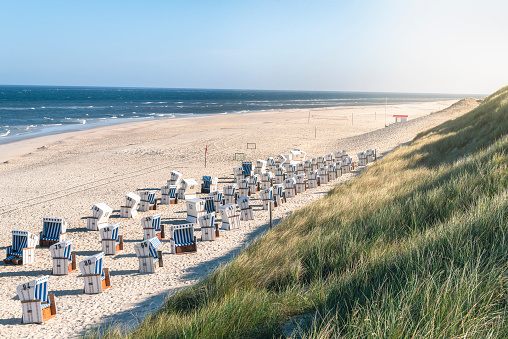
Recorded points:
(270,208)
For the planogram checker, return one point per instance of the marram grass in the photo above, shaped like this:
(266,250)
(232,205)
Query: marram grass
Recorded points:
(415,247)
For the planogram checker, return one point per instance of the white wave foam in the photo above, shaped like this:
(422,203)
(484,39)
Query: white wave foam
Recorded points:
(6,133)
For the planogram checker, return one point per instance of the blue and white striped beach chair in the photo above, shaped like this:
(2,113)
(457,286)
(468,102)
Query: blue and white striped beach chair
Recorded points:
(182,239)
(53,231)
(209,229)
(169,195)
(217,199)
(333,171)
(270,164)
(209,184)
(301,183)
(266,180)
(149,255)
(230,194)
(243,187)
(254,184)
(101,213)
(278,194)
(148,201)
(312,179)
(112,242)
(209,206)
(230,219)
(247,168)
(22,250)
(246,212)
(280,174)
(323,175)
(267,198)
(152,227)
(64,261)
(36,304)
(290,187)
(95,276)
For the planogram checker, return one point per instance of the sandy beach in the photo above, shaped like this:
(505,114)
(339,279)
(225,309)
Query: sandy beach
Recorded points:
(64,175)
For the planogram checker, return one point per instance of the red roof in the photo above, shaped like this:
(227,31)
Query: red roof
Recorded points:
(400,116)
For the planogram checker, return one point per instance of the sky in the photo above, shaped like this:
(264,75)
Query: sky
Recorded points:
(427,46)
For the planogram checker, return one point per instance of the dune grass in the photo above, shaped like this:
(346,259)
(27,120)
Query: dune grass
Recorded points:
(416,246)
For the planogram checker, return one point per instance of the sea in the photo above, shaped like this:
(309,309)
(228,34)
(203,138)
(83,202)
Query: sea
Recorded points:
(31,111)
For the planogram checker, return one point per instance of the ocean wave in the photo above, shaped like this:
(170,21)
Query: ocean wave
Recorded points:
(6,133)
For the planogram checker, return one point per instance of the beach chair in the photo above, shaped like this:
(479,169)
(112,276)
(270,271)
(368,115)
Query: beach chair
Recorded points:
(260,167)
(267,198)
(247,168)
(148,201)
(266,180)
(230,220)
(131,204)
(101,213)
(332,171)
(175,179)
(22,250)
(337,155)
(112,242)
(230,194)
(297,155)
(217,199)
(209,228)
(371,155)
(36,304)
(209,205)
(246,212)
(195,209)
(314,164)
(347,165)
(329,159)
(280,174)
(281,160)
(209,184)
(169,194)
(182,239)
(238,173)
(323,175)
(254,184)
(64,261)
(290,187)
(96,278)
(321,161)
(53,231)
(301,183)
(307,167)
(149,255)
(362,158)
(152,227)
(344,154)
(188,189)
(270,164)
(300,168)
(312,179)
(243,187)
(279,194)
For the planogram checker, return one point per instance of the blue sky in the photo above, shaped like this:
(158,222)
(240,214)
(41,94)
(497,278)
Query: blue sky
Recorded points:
(401,46)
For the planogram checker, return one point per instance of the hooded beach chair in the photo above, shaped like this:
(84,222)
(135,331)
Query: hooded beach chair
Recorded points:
(217,199)
(290,187)
(254,184)
(238,173)
(149,255)
(209,184)
(281,160)
(332,171)
(280,174)
(329,159)
(246,212)
(188,189)
(53,231)
(312,179)
(266,180)
(182,238)
(267,198)
(323,175)
(321,161)
(169,194)
(243,187)
(95,276)
(36,304)
(347,165)
(307,166)
(290,170)
(314,163)
(152,227)
(270,164)
(371,155)
(22,250)
(362,158)
(131,204)
(279,194)
(195,209)
(175,179)
(112,242)
(209,228)
(230,194)
(297,155)
(300,167)
(64,261)
(101,213)
(247,168)
(260,167)
(301,183)
(148,201)
(230,220)
(209,205)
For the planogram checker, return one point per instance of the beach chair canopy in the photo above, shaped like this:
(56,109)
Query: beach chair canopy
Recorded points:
(207,220)
(20,240)
(93,265)
(35,290)
(267,176)
(246,167)
(281,158)
(148,196)
(132,199)
(148,248)
(183,234)
(244,202)
(227,211)
(62,249)
(110,232)
(322,170)
(209,206)
(217,196)
(289,182)
(152,221)
(189,184)
(267,194)
(52,228)
(101,211)
(229,190)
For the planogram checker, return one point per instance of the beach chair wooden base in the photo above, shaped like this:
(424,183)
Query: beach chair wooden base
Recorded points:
(95,285)
(300,188)
(62,266)
(127,212)
(47,243)
(92,224)
(110,247)
(33,313)
(149,264)
(187,248)
(208,233)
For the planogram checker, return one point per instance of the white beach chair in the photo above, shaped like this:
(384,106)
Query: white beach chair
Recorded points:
(131,204)
(22,250)
(347,165)
(312,179)
(301,183)
(260,167)
(112,242)
(209,228)
(371,155)
(36,304)
(149,255)
(188,189)
(243,187)
(217,199)
(300,168)
(344,154)
(307,167)
(298,155)
(279,194)
(183,239)
(148,201)
(246,212)
(175,179)
(195,209)
(290,187)
(270,164)
(53,231)
(101,213)
(247,170)
(152,227)
(321,161)
(314,163)
(337,155)
(266,180)
(209,184)
(169,194)
(230,220)
(362,158)
(254,184)
(290,170)
(323,175)
(267,198)
(64,261)
(280,174)
(229,194)
(95,276)
(281,160)
(332,171)
(238,173)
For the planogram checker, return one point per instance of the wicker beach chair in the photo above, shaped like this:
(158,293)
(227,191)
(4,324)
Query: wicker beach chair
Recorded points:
(53,231)
(152,227)
(266,180)
(131,204)
(195,209)
(112,242)
(95,276)
(312,179)
(238,173)
(101,213)
(188,189)
(217,198)
(182,239)
(37,304)
(260,167)
(175,179)
(280,174)
(149,255)
(230,219)
(323,175)
(230,194)
(246,212)
(209,228)
(64,261)
(290,187)
(267,198)
(279,194)
(169,194)
(22,250)
(301,183)
(148,201)
(243,187)
(209,184)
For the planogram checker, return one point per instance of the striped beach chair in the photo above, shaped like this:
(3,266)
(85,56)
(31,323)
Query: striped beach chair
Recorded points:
(254,184)
(329,159)
(22,250)
(314,163)
(260,167)
(183,239)
(281,160)
(247,168)
(169,195)
(278,194)
(332,171)
(148,201)
(188,189)
(37,304)
(149,255)
(266,180)
(290,170)
(323,175)
(362,158)
(152,227)
(230,220)
(300,167)
(230,194)
(209,228)
(112,242)
(246,212)
(312,180)
(280,174)
(290,187)
(301,183)
(195,209)
(64,261)
(371,154)
(347,165)
(321,161)
(95,276)
(267,198)
(53,231)
(270,164)
(131,204)
(209,205)
(307,167)
(217,199)
(101,213)
(175,179)
(238,173)
(209,184)
(243,187)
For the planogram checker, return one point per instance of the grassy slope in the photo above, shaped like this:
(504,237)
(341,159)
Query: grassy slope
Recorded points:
(414,247)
